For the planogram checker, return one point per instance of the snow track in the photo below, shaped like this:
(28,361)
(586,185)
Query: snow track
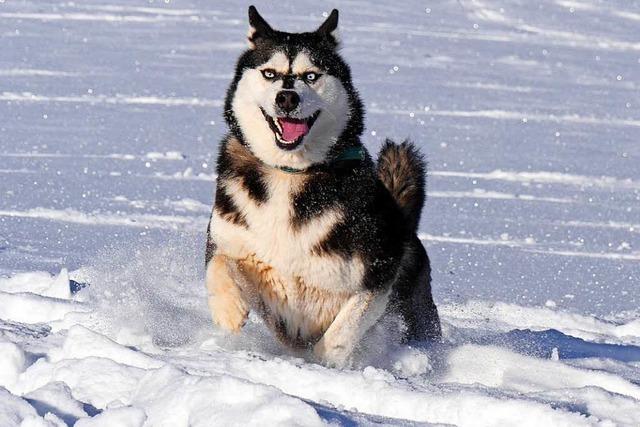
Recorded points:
(528,113)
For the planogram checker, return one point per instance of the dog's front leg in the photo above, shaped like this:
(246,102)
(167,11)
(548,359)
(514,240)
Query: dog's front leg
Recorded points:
(228,307)
(355,317)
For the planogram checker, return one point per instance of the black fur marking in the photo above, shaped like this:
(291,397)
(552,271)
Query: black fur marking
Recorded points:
(253,182)
(288,81)
(211,244)
(330,186)
(210,250)
(227,209)
(249,173)
(316,197)
(372,229)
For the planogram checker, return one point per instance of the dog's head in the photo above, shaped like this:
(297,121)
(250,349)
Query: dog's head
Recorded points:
(292,99)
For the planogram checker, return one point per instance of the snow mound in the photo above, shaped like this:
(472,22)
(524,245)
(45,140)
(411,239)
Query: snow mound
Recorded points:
(99,369)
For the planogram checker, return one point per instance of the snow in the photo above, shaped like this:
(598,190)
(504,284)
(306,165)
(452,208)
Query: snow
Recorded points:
(13,362)
(125,417)
(15,411)
(528,113)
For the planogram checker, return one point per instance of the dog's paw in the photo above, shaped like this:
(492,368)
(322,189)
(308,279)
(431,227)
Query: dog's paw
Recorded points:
(333,355)
(229,314)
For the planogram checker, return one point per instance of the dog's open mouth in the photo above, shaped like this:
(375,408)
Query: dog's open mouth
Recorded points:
(289,131)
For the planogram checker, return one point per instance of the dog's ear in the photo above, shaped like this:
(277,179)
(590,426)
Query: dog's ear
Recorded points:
(329,28)
(258,27)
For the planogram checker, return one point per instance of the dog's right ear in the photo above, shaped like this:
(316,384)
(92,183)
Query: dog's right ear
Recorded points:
(258,27)
(329,28)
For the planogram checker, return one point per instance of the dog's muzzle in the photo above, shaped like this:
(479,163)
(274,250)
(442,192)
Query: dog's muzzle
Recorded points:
(289,131)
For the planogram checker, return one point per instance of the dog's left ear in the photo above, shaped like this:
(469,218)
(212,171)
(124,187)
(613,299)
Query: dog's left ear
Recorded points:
(329,28)
(258,27)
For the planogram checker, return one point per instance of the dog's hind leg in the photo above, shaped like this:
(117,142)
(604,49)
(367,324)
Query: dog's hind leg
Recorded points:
(355,317)
(412,297)
(228,307)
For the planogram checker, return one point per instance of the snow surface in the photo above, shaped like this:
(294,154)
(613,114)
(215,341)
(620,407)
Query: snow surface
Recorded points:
(529,113)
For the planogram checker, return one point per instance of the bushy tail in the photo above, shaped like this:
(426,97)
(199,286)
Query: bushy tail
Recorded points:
(402,169)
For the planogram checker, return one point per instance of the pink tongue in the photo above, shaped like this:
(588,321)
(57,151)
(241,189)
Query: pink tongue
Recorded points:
(293,129)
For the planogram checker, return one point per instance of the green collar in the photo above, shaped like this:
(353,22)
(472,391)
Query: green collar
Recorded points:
(351,153)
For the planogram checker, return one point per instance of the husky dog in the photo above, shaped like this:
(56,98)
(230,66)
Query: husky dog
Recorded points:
(307,230)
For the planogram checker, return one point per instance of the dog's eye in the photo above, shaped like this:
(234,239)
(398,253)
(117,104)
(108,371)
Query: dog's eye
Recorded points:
(269,74)
(310,77)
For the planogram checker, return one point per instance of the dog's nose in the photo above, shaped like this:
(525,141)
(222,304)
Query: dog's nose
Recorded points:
(287,100)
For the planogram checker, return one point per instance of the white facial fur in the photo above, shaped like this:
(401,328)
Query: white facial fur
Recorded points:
(327,94)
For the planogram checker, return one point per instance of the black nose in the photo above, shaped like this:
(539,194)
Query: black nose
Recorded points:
(287,100)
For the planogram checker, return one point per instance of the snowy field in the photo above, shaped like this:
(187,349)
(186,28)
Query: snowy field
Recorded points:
(528,111)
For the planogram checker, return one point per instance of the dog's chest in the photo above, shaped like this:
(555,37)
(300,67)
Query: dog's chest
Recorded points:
(271,236)
(299,313)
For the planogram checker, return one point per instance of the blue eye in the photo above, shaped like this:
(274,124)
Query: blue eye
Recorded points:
(269,74)
(310,77)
